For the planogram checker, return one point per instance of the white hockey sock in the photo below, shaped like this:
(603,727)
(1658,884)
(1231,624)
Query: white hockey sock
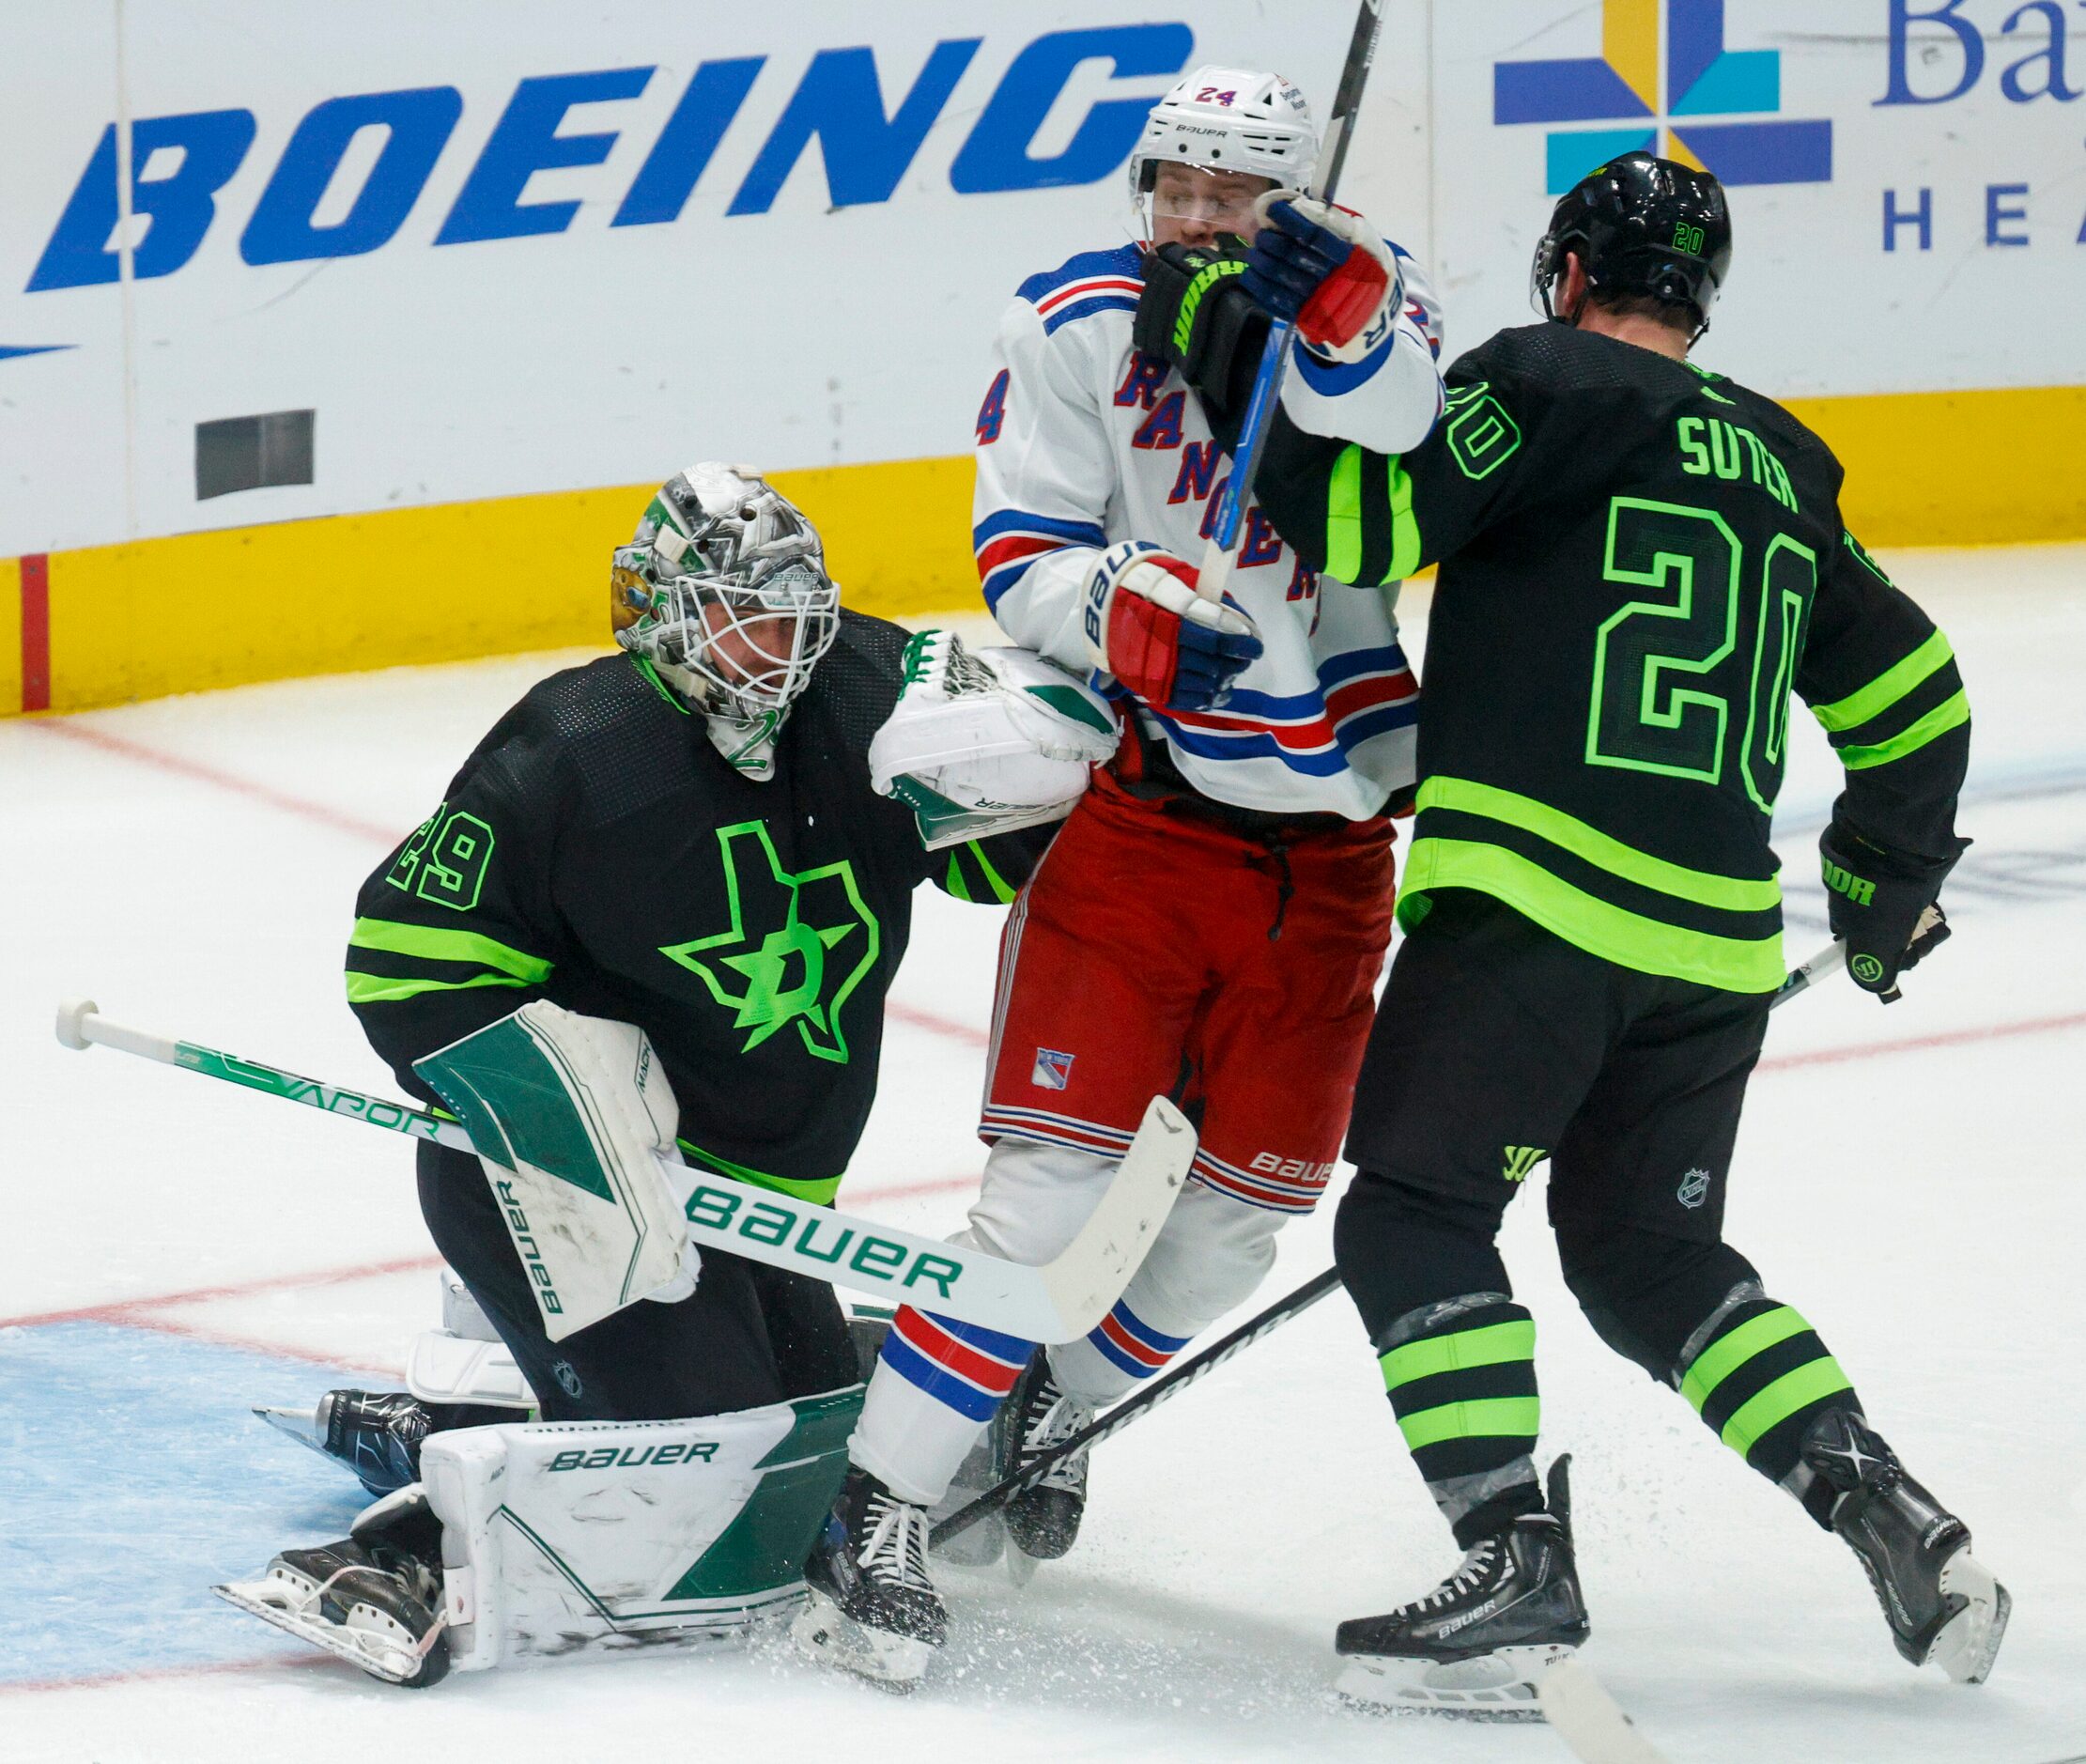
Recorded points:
(935,1386)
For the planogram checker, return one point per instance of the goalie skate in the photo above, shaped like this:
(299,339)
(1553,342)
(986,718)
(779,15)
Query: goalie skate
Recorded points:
(367,1598)
(1478,1645)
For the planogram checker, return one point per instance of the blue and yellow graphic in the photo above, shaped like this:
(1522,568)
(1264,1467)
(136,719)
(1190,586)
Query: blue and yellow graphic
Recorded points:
(1648,100)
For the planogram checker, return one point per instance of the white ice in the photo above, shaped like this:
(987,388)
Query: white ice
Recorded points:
(1907,1177)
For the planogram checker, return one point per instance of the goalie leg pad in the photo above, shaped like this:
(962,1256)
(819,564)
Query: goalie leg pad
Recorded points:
(560,1535)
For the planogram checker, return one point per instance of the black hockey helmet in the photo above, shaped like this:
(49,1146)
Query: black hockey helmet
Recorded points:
(1642,226)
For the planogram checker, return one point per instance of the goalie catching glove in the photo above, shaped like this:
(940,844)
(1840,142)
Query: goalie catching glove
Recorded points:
(1146,626)
(985,741)
(574,1123)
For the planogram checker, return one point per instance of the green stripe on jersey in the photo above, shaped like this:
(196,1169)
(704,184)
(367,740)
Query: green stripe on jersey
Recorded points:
(1001,892)
(1737,894)
(1600,928)
(1890,686)
(448,946)
(387,988)
(1951,713)
(1343,517)
(817,1192)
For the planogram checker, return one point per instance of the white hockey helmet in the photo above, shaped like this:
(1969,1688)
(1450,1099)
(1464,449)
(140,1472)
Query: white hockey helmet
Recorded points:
(1229,120)
(723,592)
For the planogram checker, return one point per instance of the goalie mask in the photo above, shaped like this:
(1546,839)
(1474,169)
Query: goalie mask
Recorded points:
(723,594)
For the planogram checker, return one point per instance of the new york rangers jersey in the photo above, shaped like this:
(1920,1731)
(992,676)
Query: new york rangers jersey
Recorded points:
(1083,440)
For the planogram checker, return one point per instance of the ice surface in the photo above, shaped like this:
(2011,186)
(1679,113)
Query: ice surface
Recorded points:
(175,1250)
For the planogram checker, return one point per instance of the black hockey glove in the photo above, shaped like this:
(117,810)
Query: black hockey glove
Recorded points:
(1196,314)
(1884,903)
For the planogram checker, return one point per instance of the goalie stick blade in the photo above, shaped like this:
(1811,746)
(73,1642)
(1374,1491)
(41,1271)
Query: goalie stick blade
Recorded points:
(1589,1721)
(1086,1282)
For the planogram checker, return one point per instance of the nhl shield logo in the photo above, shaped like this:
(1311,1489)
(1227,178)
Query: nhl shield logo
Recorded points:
(1053,1070)
(1693,1189)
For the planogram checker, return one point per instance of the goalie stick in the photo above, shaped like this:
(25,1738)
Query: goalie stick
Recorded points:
(1274,357)
(1058,1301)
(1830,960)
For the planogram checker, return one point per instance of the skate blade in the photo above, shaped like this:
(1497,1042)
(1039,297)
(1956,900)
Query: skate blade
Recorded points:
(1969,1642)
(1498,1686)
(829,1635)
(300,1424)
(280,1602)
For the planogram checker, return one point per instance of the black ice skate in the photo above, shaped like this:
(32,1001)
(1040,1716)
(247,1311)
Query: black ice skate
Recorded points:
(1043,1521)
(374,1597)
(376,1433)
(1942,1603)
(1479,1643)
(873,1610)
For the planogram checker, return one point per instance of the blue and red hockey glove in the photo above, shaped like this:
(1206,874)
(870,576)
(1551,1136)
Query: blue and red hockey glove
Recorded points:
(1146,626)
(1325,270)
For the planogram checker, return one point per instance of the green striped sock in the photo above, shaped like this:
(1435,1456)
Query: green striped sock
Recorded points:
(1462,1381)
(1758,1380)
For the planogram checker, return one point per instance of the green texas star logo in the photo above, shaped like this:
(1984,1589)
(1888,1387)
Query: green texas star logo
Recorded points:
(797,948)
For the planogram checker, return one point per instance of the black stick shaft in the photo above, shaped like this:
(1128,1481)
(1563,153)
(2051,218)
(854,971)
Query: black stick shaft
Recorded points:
(1347,96)
(1280,1312)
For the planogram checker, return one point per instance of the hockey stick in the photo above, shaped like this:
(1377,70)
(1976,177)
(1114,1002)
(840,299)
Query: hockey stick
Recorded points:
(1832,959)
(1590,1722)
(1274,356)
(1058,1301)
(1119,1417)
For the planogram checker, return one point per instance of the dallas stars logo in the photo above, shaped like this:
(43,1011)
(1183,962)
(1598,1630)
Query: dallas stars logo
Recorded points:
(813,941)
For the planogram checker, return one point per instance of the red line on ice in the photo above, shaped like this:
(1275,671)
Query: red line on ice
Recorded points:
(195,770)
(102,1680)
(912,1015)
(134,1312)
(1919,1044)
(124,1309)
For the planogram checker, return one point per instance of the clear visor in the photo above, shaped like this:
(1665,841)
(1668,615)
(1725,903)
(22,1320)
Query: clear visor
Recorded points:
(1179,197)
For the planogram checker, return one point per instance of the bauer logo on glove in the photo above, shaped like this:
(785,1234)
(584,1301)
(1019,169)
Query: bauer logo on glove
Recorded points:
(985,742)
(1165,643)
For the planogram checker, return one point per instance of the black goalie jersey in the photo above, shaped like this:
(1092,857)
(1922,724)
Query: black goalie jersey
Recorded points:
(597,851)
(1639,561)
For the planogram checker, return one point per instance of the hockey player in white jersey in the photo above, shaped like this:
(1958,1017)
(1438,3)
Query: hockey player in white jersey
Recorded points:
(1212,920)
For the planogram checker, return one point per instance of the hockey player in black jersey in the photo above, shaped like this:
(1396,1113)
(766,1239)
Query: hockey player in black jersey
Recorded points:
(1639,560)
(681,839)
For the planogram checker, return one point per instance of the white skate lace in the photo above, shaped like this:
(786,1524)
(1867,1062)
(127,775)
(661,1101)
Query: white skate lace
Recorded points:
(895,1552)
(1473,1570)
(1060,1419)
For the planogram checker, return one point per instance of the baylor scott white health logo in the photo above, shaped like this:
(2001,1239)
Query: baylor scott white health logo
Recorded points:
(1699,102)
